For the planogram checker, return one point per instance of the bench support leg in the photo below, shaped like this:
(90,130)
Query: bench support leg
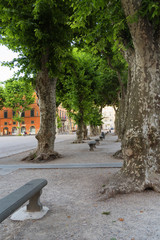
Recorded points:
(34,203)
(91,148)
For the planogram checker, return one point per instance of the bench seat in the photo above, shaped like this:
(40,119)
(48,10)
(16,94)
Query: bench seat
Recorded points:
(30,191)
(92,145)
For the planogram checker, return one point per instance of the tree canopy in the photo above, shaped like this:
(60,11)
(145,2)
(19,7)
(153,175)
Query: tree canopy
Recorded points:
(33,28)
(86,86)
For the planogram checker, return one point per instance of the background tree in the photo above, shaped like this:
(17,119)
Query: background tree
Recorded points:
(75,89)
(2,98)
(104,43)
(39,31)
(136,32)
(107,86)
(18,96)
(87,87)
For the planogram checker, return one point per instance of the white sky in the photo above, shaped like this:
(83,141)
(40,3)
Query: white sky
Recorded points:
(6,55)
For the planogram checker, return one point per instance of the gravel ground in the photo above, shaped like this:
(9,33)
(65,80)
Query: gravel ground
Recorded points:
(76,211)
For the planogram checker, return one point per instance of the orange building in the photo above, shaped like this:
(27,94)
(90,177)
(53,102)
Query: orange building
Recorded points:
(30,124)
(31,121)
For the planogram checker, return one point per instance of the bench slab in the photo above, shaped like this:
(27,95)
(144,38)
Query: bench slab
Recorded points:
(92,145)
(16,199)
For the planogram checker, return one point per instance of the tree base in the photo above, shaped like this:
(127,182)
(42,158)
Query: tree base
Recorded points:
(119,183)
(78,141)
(118,154)
(87,138)
(43,157)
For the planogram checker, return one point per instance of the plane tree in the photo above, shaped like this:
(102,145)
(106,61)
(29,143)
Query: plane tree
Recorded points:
(100,41)
(39,31)
(85,88)
(75,90)
(133,26)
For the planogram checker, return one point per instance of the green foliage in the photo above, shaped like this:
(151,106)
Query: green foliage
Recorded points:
(18,96)
(106,34)
(2,97)
(150,9)
(106,213)
(80,88)
(59,123)
(105,20)
(34,28)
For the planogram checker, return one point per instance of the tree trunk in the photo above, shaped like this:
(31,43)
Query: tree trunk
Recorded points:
(46,91)
(120,118)
(94,131)
(79,134)
(141,141)
(85,132)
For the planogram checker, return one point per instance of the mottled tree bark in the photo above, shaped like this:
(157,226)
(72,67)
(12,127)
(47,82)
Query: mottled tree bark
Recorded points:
(85,132)
(94,131)
(141,141)
(46,92)
(79,133)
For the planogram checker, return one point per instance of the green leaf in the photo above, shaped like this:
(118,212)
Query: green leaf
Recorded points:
(106,213)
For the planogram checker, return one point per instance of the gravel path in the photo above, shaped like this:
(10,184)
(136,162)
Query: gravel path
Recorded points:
(76,211)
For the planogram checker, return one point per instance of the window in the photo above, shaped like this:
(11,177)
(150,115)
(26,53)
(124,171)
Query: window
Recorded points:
(23,114)
(32,113)
(5,114)
(5,123)
(14,123)
(32,122)
(5,131)
(14,131)
(32,130)
(23,130)
(23,122)
(13,113)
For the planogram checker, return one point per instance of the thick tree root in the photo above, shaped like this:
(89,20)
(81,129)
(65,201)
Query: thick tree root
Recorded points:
(118,154)
(119,183)
(87,138)
(43,157)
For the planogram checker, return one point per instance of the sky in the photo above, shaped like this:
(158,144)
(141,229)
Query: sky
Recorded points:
(6,55)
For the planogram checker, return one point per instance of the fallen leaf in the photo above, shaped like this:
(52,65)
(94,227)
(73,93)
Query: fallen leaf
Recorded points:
(141,211)
(121,219)
(106,213)
(68,216)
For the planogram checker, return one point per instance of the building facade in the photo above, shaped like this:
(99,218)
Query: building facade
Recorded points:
(68,125)
(31,121)
(29,125)
(108,114)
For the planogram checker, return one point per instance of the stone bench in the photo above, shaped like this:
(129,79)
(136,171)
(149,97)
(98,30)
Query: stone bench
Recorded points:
(103,134)
(97,141)
(92,145)
(30,191)
(101,137)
